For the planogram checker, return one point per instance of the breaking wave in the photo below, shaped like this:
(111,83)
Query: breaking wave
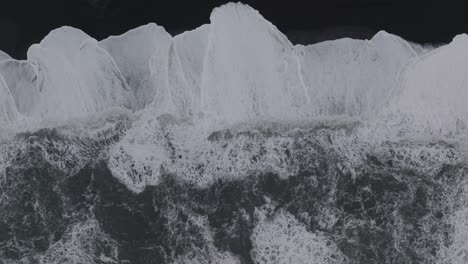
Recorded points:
(229,144)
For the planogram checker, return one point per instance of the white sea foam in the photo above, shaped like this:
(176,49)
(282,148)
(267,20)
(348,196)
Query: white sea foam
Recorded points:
(232,99)
(434,92)
(4,56)
(203,93)
(8,111)
(281,239)
(133,52)
(81,243)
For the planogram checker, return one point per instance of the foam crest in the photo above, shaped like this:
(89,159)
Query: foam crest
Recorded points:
(4,56)
(22,81)
(133,53)
(353,77)
(434,92)
(76,76)
(250,69)
(241,68)
(8,111)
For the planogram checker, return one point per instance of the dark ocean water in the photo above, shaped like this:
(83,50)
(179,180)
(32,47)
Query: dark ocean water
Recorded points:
(55,208)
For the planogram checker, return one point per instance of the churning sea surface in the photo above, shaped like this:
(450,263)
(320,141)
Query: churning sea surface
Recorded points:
(229,144)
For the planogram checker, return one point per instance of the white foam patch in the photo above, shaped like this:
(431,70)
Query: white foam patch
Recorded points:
(190,48)
(455,251)
(205,251)
(21,79)
(76,77)
(4,56)
(432,101)
(69,147)
(353,77)
(250,70)
(133,53)
(8,110)
(175,96)
(281,239)
(65,41)
(82,243)
(195,154)
(240,68)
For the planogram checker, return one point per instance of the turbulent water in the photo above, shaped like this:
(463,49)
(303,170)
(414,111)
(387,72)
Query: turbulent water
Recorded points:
(229,144)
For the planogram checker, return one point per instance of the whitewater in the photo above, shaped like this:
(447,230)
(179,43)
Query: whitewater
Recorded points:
(230,144)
